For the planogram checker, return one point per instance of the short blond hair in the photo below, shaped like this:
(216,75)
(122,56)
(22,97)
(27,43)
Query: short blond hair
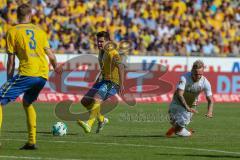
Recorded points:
(198,64)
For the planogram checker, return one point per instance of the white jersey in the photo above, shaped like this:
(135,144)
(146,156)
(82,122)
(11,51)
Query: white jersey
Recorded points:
(192,89)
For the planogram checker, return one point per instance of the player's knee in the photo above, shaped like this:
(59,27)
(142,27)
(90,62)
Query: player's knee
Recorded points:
(25,103)
(86,101)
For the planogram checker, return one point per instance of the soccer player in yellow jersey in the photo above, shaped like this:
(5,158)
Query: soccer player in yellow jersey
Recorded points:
(110,83)
(29,43)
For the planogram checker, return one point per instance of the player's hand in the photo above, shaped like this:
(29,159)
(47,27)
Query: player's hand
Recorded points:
(209,115)
(192,110)
(58,69)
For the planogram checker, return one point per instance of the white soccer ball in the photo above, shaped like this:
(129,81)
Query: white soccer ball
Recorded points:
(59,129)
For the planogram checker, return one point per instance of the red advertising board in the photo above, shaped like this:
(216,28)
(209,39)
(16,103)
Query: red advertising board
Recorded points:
(225,88)
(157,87)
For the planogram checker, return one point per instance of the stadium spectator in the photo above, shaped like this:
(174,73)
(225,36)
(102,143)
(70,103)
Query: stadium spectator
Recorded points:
(208,48)
(184,22)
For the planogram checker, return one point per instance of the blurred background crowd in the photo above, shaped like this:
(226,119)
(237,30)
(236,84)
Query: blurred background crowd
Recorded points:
(155,27)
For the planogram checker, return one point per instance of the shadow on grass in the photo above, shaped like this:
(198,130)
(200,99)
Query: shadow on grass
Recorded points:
(38,132)
(200,155)
(140,136)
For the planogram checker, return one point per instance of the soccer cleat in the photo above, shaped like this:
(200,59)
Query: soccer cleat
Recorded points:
(170,132)
(28,146)
(102,124)
(191,131)
(184,133)
(84,125)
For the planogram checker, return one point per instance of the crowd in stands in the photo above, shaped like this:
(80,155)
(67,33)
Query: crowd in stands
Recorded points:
(155,27)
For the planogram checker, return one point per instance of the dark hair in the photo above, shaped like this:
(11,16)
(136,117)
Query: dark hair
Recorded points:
(23,10)
(198,64)
(103,34)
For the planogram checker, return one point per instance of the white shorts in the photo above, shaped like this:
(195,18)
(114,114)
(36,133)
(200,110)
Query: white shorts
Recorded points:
(179,115)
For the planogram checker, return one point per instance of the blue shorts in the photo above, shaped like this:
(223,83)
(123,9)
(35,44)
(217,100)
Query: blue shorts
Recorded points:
(14,87)
(103,90)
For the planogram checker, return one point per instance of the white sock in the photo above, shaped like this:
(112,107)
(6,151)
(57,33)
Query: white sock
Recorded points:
(184,133)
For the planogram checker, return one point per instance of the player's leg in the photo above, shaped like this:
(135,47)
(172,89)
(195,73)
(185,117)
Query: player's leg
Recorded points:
(175,127)
(100,116)
(184,132)
(9,92)
(183,119)
(31,125)
(12,89)
(29,97)
(105,91)
(172,118)
(94,112)
(112,89)
(171,131)
(90,103)
(0,122)
(179,118)
(0,118)
(178,130)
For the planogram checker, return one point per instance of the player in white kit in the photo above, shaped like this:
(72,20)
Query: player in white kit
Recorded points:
(185,99)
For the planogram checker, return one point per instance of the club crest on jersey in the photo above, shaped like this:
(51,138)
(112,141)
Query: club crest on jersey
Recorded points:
(110,46)
(124,47)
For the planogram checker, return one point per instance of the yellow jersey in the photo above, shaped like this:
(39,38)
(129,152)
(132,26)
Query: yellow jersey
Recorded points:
(108,62)
(28,42)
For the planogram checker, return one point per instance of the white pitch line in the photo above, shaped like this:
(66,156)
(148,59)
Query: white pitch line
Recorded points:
(19,157)
(135,145)
(32,158)
(170,147)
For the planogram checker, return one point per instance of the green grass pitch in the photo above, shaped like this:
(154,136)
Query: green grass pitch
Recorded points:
(133,133)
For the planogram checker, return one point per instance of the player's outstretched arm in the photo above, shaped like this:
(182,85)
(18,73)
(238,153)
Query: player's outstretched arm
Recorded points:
(181,98)
(53,60)
(210,106)
(10,65)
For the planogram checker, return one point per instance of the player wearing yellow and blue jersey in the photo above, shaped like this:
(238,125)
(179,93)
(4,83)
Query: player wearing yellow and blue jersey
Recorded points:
(109,83)
(29,43)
